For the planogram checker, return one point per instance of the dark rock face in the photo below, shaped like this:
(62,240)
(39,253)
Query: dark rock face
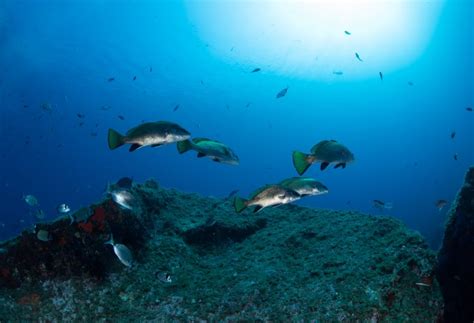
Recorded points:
(456,257)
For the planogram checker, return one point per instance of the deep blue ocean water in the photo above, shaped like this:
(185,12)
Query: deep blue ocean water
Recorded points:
(191,54)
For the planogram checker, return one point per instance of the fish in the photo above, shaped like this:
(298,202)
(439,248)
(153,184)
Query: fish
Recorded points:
(469,109)
(255,70)
(176,108)
(81,215)
(382,205)
(134,78)
(121,117)
(123,198)
(163,277)
(30,200)
(347,32)
(453,134)
(411,83)
(110,79)
(338,73)
(282,93)
(268,195)
(81,124)
(46,106)
(381,76)
(440,204)
(455,156)
(326,152)
(304,186)
(44,235)
(125,182)
(358,57)
(152,134)
(232,194)
(63,208)
(151,69)
(81,115)
(122,252)
(423,284)
(39,214)
(213,149)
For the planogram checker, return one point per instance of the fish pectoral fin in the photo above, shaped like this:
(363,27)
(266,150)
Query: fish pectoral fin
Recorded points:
(200,155)
(156,145)
(217,160)
(134,147)
(343,165)
(324,165)
(257,208)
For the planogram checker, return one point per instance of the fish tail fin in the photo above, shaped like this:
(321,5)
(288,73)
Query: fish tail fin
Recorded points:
(115,139)
(184,146)
(301,162)
(239,204)
(111,240)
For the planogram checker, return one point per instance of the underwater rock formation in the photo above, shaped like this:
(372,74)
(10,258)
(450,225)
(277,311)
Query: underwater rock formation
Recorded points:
(196,259)
(456,258)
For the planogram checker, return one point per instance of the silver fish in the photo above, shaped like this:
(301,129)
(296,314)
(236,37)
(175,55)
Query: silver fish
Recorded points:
(44,235)
(122,252)
(63,208)
(123,198)
(31,200)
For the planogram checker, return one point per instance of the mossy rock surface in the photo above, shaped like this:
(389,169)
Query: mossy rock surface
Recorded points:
(282,264)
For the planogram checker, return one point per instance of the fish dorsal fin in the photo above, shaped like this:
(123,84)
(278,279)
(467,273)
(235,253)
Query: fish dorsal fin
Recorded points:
(259,190)
(199,139)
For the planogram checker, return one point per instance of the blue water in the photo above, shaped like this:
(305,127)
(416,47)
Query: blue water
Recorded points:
(64,52)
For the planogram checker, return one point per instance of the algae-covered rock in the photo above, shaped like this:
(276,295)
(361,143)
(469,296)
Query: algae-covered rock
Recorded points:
(456,257)
(199,260)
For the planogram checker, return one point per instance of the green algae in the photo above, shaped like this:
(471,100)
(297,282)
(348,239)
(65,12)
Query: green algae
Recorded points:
(294,264)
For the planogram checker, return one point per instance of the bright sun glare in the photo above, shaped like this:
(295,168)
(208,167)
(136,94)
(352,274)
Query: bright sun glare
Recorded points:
(307,39)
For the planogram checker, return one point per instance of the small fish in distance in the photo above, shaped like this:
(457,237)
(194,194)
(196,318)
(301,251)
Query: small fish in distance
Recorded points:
(255,70)
(121,117)
(440,204)
(110,79)
(213,149)
(282,93)
(31,200)
(469,109)
(358,57)
(347,32)
(453,134)
(63,208)
(338,73)
(176,108)
(381,76)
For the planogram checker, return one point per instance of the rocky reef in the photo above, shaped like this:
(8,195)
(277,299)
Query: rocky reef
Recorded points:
(456,257)
(197,260)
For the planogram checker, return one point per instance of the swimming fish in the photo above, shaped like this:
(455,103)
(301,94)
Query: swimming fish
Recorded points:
(134,78)
(152,134)
(382,205)
(44,235)
(121,117)
(46,106)
(304,186)
(63,208)
(453,134)
(176,108)
(268,195)
(30,200)
(381,76)
(411,83)
(163,277)
(347,32)
(255,70)
(123,198)
(125,182)
(110,79)
(338,73)
(326,152)
(282,93)
(81,215)
(122,252)
(469,109)
(455,156)
(81,115)
(358,57)
(39,214)
(215,150)
(440,204)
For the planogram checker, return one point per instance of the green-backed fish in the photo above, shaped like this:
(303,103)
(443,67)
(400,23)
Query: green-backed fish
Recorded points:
(268,195)
(215,150)
(148,134)
(326,152)
(304,186)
